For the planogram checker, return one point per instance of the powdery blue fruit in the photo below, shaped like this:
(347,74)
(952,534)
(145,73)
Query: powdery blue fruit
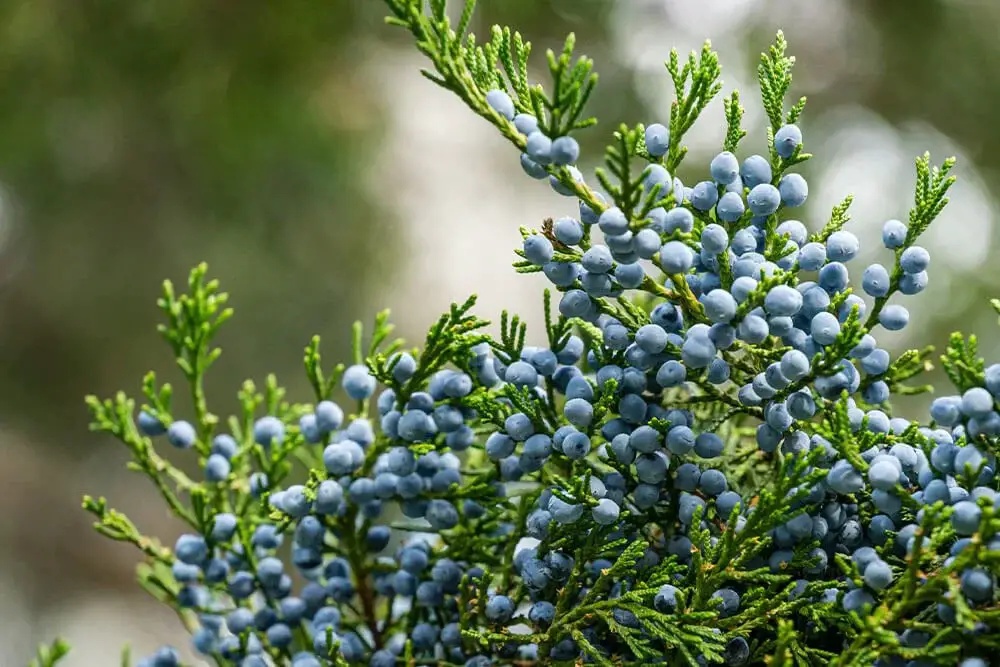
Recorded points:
(875,280)
(878,574)
(150,425)
(605,512)
(914,260)
(501,103)
(538,249)
(657,139)
(756,170)
(783,301)
(525,123)
(676,257)
(730,207)
(764,199)
(794,190)
(564,151)
(842,246)
(893,234)
(720,306)
(613,222)
(181,434)
(358,382)
(787,139)
(913,283)
(533,168)
(704,196)
(825,327)
(539,148)
(894,317)
(725,168)
(812,256)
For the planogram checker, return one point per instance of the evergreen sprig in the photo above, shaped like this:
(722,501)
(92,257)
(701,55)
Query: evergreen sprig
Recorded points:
(697,465)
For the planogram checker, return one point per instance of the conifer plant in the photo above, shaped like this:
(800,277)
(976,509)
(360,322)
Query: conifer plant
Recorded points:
(701,465)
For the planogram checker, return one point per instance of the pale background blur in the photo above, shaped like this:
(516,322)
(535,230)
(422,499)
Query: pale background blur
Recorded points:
(295,148)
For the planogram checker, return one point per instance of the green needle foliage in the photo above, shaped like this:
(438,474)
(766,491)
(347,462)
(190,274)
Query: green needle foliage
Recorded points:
(701,465)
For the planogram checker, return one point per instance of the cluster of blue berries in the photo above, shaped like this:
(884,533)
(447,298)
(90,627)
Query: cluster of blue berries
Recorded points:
(700,466)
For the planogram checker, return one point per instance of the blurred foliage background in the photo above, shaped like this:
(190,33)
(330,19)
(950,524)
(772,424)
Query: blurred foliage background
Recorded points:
(272,141)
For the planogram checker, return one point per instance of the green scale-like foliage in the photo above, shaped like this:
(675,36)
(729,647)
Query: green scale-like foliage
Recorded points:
(465,446)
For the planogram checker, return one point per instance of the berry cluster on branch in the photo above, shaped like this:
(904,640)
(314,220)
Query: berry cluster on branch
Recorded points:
(701,465)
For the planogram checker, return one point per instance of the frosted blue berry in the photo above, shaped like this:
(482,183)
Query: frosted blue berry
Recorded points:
(894,317)
(714,239)
(657,139)
(875,280)
(764,199)
(597,259)
(753,329)
(825,328)
(965,517)
(883,475)
(605,512)
(977,585)
(725,168)
(708,445)
(568,231)
(783,301)
(150,425)
(812,256)
(522,374)
(756,170)
(878,574)
(676,257)
(705,195)
(565,150)
(671,374)
(893,234)
(727,601)
(542,613)
(217,468)
(713,482)
(538,249)
(698,351)
(501,103)
(532,168)
(576,445)
(613,222)
(720,306)
(358,382)
(538,147)
(525,123)
(656,175)
(559,187)
(678,219)
(730,207)
(181,434)
(795,230)
(794,190)
(441,514)
(718,371)
(666,599)
(329,416)
(834,277)
(913,283)
(842,246)
(786,140)
(973,662)
(191,549)
(914,259)
(857,600)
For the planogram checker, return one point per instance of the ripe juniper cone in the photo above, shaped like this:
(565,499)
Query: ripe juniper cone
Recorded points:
(699,465)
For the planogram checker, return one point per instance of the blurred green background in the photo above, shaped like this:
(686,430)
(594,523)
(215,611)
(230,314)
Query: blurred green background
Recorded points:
(294,147)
